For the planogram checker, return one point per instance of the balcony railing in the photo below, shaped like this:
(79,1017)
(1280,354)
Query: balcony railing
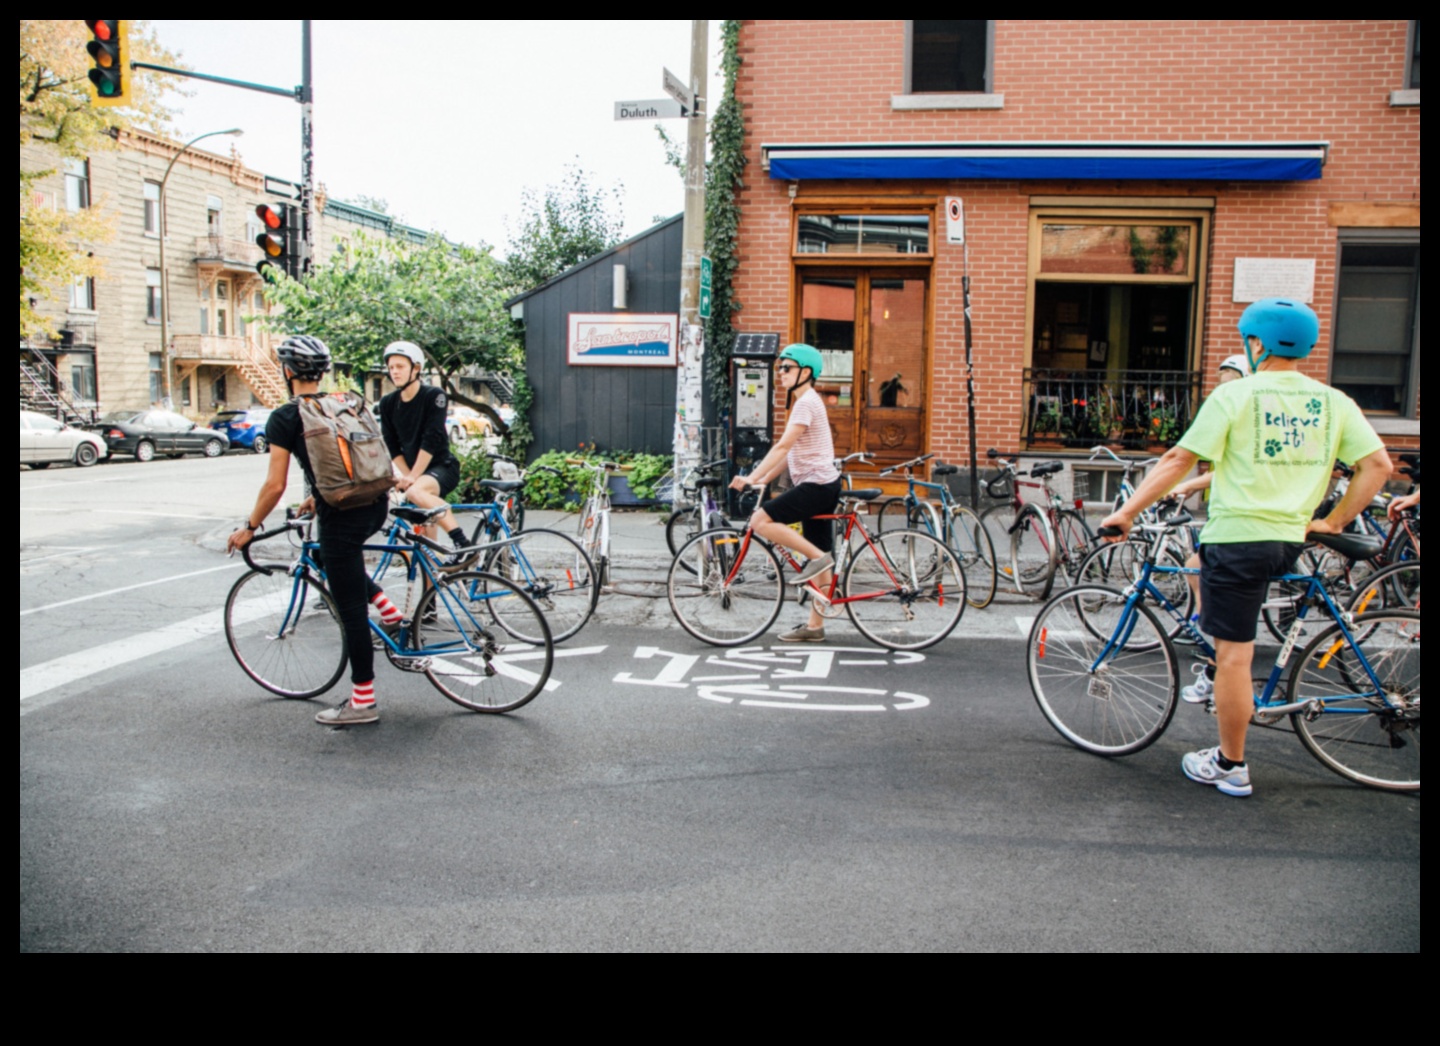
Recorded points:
(228,251)
(1138,408)
(220,348)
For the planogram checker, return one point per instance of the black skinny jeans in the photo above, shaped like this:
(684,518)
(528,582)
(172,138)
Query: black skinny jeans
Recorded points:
(343,532)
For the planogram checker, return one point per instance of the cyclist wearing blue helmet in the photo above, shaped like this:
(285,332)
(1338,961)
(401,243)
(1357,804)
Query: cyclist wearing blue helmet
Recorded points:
(1274,439)
(808,450)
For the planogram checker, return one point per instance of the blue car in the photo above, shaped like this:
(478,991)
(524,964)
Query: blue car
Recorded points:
(246,428)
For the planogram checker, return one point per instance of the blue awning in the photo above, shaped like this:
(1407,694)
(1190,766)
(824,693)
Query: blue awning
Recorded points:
(1128,161)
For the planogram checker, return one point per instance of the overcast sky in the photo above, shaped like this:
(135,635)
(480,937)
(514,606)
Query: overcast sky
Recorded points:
(448,121)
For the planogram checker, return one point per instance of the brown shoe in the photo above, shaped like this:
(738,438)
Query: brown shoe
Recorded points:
(803,634)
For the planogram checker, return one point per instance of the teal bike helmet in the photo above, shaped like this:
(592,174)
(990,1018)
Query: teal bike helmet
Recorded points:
(1285,327)
(805,356)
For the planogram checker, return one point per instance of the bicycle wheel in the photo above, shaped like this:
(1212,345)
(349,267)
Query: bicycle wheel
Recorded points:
(717,603)
(682,525)
(907,593)
(1118,565)
(971,542)
(892,514)
(285,633)
(1073,542)
(1032,552)
(925,519)
(1111,706)
(553,570)
(1364,733)
(471,661)
(1397,587)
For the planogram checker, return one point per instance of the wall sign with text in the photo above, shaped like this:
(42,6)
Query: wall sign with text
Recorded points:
(619,339)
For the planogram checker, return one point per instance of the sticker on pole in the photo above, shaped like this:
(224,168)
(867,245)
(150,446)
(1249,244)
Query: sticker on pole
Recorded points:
(954,220)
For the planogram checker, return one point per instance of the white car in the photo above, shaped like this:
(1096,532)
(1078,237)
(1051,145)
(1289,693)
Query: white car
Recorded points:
(44,440)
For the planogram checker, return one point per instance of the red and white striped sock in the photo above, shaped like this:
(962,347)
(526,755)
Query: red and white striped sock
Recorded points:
(389,612)
(363,694)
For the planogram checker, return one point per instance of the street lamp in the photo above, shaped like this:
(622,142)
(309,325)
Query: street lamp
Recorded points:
(164,273)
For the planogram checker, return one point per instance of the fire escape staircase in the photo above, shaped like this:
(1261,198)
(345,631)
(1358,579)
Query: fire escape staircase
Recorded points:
(43,391)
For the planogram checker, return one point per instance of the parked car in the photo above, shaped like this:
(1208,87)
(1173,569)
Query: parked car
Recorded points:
(44,440)
(466,423)
(246,428)
(145,433)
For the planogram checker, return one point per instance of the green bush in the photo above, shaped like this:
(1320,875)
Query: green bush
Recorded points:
(475,465)
(546,490)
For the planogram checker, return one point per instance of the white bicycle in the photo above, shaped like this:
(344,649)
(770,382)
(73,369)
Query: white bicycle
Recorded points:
(593,531)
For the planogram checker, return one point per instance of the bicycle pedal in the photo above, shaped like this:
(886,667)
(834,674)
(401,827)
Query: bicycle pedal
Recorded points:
(411,664)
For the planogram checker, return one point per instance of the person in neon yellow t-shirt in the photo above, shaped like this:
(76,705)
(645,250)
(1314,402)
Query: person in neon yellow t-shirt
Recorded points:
(1273,439)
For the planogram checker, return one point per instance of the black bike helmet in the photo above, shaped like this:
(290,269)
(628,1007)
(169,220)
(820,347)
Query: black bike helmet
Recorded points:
(305,357)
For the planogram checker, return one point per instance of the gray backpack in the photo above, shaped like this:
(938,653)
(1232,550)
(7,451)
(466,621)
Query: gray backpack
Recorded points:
(347,452)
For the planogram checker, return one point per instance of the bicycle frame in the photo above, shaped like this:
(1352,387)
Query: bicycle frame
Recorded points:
(1264,705)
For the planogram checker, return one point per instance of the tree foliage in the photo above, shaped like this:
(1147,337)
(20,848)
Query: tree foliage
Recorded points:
(724,180)
(449,300)
(56,111)
(563,226)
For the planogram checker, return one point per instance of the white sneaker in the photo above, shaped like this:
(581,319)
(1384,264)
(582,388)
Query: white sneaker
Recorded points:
(1203,766)
(1200,691)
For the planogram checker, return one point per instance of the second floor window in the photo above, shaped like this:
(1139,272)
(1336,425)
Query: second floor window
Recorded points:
(1412,80)
(152,295)
(152,208)
(77,185)
(82,293)
(948,55)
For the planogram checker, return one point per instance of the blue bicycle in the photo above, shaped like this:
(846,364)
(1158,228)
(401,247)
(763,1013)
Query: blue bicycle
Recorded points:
(1105,675)
(283,629)
(938,514)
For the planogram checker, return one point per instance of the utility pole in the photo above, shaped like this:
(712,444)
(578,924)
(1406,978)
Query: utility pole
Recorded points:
(689,377)
(309,227)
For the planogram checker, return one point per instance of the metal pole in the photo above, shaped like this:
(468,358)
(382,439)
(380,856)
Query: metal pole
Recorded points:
(970,387)
(308,225)
(689,377)
(167,397)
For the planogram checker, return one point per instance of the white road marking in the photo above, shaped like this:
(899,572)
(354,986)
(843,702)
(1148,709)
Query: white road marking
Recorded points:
(1024,624)
(129,588)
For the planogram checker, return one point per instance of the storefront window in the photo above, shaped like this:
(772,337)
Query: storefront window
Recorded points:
(1115,250)
(863,234)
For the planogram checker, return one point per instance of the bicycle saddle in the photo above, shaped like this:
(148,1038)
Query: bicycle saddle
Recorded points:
(1046,468)
(944,470)
(866,494)
(504,486)
(417,515)
(1351,546)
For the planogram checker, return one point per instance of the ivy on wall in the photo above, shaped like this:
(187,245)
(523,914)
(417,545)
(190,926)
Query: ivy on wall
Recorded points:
(722,220)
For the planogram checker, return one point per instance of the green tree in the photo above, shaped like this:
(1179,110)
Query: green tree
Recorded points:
(56,111)
(447,299)
(563,226)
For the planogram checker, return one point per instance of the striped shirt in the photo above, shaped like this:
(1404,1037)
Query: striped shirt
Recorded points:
(811,458)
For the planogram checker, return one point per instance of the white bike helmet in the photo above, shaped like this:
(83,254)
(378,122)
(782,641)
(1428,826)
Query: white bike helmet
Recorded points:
(408,349)
(1238,363)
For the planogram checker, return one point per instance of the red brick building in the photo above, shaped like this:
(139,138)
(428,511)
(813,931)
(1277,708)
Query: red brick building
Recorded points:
(1128,187)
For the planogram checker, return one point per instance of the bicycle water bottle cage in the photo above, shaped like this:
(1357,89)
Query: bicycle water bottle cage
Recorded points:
(417,516)
(1352,546)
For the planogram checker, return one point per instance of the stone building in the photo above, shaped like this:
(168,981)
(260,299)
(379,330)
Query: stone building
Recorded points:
(109,355)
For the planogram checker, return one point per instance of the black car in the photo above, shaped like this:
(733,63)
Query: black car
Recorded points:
(145,433)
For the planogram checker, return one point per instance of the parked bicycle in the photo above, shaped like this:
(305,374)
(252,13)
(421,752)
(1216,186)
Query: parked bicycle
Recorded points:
(458,629)
(593,529)
(937,513)
(1046,538)
(701,509)
(1104,672)
(903,590)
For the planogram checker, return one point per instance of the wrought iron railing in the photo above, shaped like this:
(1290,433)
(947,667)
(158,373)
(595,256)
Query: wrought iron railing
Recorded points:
(1137,408)
(226,249)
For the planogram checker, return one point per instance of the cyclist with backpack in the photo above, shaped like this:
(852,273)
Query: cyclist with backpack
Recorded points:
(412,419)
(343,531)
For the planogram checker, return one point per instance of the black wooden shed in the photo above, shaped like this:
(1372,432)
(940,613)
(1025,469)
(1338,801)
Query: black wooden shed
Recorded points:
(613,407)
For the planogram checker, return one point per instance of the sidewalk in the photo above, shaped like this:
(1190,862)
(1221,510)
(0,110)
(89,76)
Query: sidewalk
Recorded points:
(640,562)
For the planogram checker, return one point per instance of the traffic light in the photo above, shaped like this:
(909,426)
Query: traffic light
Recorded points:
(279,240)
(110,51)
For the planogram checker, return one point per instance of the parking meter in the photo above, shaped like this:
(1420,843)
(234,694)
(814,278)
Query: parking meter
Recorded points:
(751,379)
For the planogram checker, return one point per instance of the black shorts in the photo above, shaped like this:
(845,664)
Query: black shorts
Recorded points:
(801,503)
(448,476)
(1233,581)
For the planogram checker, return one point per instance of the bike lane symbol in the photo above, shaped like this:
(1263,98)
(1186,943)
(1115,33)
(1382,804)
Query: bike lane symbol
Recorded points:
(782,677)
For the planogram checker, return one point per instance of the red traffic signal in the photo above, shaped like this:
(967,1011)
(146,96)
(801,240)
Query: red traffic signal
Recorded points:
(109,50)
(278,242)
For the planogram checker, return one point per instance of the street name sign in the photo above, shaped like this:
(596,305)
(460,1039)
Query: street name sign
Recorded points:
(677,89)
(706,283)
(650,109)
